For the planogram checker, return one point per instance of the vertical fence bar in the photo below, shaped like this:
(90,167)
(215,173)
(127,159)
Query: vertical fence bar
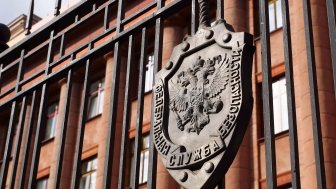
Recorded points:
(60,150)
(1,66)
(18,143)
(50,56)
(113,117)
(29,21)
(8,146)
(293,140)
(62,49)
(220,9)
(38,137)
(27,142)
(140,104)
(120,16)
(267,97)
(315,107)
(332,35)
(126,116)
(114,102)
(194,16)
(76,170)
(58,5)
(19,73)
(157,66)
(106,17)
(221,184)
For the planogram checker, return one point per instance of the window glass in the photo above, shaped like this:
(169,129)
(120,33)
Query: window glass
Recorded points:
(275,14)
(278,14)
(280,106)
(88,174)
(149,73)
(96,98)
(51,121)
(144,160)
(42,183)
(271,12)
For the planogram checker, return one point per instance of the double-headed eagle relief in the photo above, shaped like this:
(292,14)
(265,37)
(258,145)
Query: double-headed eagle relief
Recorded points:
(203,103)
(195,93)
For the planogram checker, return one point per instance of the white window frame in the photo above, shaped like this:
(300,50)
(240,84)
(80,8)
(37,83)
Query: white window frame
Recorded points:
(99,93)
(275,15)
(53,116)
(144,160)
(149,73)
(89,177)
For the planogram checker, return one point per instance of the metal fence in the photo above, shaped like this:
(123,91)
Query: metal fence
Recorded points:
(20,97)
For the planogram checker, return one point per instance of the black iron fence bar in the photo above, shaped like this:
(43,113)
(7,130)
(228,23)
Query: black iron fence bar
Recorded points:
(106,18)
(120,16)
(19,73)
(113,117)
(267,97)
(29,20)
(8,146)
(140,105)
(105,47)
(114,102)
(221,184)
(62,49)
(18,137)
(74,26)
(38,137)
(126,117)
(41,117)
(315,107)
(50,55)
(292,124)
(1,65)
(332,35)
(60,150)
(158,47)
(9,66)
(220,9)
(34,51)
(194,16)
(94,6)
(62,58)
(30,78)
(76,170)
(40,36)
(58,5)
(27,142)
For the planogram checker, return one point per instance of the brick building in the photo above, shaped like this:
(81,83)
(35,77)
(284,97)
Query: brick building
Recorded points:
(75,95)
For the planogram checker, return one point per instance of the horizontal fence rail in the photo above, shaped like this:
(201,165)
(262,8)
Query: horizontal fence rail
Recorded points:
(120,34)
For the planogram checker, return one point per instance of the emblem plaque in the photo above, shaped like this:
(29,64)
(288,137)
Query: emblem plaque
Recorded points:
(203,103)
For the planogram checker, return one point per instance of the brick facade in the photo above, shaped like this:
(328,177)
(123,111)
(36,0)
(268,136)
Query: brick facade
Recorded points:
(248,168)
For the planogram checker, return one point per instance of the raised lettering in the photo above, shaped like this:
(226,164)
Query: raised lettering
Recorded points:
(198,154)
(216,146)
(189,155)
(172,160)
(207,150)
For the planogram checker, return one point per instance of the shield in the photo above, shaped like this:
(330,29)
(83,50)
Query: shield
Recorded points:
(203,103)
